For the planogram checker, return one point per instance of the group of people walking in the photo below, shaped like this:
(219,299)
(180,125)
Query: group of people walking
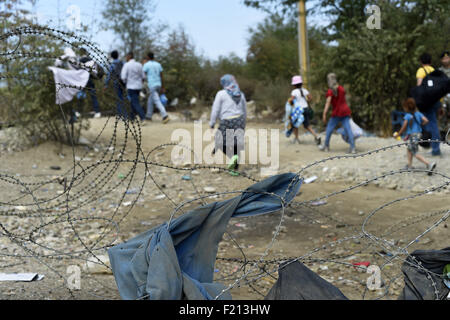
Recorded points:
(132,75)
(229,107)
(335,97)
(413,120)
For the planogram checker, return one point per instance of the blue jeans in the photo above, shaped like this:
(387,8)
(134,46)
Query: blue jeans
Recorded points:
(135,105)
(120,107)
(332,123)
(91,89)
(432,127)
(155,99)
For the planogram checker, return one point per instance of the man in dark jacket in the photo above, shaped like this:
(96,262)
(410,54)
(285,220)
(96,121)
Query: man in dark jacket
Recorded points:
(118,85)
(85,59)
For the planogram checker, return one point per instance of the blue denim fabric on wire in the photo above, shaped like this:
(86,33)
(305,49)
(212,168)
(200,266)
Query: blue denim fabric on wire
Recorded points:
(176,261)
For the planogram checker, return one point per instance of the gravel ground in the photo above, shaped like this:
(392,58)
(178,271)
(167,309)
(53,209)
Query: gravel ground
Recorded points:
(40,239)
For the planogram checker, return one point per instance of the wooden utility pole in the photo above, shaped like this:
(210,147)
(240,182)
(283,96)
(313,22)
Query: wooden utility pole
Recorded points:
(303,42)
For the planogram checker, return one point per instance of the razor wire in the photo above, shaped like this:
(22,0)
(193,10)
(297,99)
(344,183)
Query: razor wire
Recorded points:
(85,185)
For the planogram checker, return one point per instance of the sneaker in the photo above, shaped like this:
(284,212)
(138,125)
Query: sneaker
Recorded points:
(165,119)
(431,167)
(318,141)
(77,114)
(324,148)
(233,173)
(407,168)
(352,151)
(148,119)
(97,115)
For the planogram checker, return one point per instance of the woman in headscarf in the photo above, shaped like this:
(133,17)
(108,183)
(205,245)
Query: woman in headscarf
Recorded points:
(340,113)
(230,108)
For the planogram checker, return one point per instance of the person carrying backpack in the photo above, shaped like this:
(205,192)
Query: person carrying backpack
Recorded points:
(445,111)
(412,125)
(432,110)
(114,74)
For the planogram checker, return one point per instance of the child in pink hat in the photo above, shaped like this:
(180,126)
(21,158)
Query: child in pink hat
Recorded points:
(302,97)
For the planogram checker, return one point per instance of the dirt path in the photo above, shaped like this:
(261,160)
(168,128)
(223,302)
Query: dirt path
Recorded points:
(305,227)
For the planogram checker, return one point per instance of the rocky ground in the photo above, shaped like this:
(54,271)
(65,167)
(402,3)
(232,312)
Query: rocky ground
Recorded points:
(111,201)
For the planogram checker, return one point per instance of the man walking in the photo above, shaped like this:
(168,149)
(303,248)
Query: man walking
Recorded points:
(89,63)
(445,61)
(431,112)
(153,70)
(133,76)
(114,74)
(445,112)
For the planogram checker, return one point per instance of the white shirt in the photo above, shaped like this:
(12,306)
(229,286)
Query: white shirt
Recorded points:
(298,96)
(224,107)
(133,75)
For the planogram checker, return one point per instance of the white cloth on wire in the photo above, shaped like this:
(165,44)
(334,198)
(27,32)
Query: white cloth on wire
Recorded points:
(68,83)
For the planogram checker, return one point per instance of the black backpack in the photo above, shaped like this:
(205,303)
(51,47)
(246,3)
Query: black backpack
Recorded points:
(96,71)
(117,71)
(100,71)
(434,86)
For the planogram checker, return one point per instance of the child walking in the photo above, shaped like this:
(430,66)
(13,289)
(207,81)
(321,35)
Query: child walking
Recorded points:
(302,97)
(412,125)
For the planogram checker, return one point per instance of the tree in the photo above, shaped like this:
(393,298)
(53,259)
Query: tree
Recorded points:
(27,98)
(270,5)
(181,64)
(377,66)
(272,52)
(131,21)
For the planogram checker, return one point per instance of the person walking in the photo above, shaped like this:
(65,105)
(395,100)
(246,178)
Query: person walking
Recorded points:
(155,82)
(412,125)
(230,108)
(432,111)
(445,63)
(340,113)
(86,60)
(445,111)
(133,76)
(114,74)
(303,98)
